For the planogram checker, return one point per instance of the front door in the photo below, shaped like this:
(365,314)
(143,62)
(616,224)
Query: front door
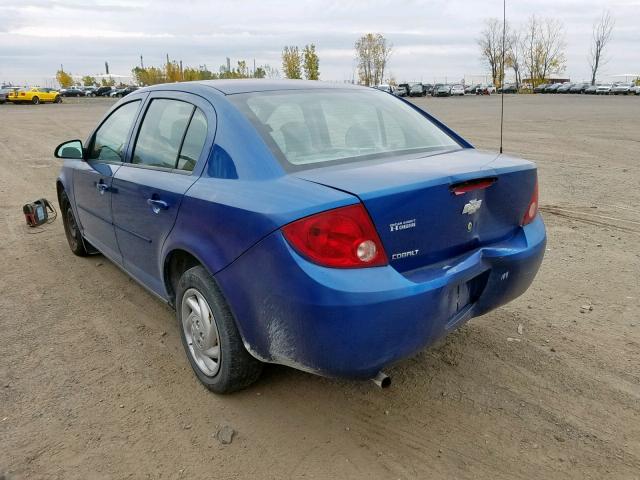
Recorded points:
(148,190)
(92,179)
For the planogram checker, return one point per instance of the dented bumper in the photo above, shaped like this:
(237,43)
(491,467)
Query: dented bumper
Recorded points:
(352,323)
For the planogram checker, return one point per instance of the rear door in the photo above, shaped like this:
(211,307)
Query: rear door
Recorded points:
(171,146)
(92,179)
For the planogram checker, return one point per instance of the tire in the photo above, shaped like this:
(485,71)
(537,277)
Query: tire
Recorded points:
(35,100)
(77,244)
(57,99)
(234,368)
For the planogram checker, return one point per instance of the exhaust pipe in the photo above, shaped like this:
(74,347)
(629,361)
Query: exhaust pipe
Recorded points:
(382,380)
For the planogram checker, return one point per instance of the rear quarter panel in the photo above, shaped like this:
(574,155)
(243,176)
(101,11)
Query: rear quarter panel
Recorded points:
(220,219)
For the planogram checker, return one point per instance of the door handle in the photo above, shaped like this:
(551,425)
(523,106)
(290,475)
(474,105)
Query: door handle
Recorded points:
(157,205)
(102,187)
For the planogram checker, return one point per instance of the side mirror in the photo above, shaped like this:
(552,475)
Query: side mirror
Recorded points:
(72,150)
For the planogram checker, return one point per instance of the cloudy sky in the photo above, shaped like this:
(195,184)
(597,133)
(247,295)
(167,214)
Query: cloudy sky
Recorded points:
(432,40)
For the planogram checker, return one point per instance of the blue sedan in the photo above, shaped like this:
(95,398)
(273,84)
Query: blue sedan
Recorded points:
(335,229)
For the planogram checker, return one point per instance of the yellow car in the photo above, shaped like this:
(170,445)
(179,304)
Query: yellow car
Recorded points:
(35,95)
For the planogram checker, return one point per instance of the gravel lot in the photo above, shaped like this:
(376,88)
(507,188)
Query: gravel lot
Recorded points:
(94,382)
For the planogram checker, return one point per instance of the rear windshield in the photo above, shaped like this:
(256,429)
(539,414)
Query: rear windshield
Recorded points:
(310,128)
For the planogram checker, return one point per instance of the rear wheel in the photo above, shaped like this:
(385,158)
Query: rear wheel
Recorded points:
(57,99)
(210,336)
(35,100)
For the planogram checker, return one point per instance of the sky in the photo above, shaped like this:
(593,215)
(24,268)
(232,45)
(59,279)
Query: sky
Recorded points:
(432,40)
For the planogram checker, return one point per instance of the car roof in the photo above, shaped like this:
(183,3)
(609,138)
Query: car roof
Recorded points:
(232,87)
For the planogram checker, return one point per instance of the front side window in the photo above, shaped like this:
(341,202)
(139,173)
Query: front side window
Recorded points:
(162,132)
(111,137)
(309,128)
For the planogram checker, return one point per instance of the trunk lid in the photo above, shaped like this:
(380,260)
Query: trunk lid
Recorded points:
(420,220)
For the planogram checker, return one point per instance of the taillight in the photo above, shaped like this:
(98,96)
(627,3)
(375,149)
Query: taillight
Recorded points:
(341,238)
(532,208)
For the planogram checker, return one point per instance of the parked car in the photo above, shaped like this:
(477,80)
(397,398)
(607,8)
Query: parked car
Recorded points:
(579,87)
(636,89)
(552,88)
(603,89)
(485,89)
(435,88)
(471,89)
(5,90)
(3,94)
(101,92)
(565,87)
(401,91)
(591,89)
(540,88)
(416,90)
(321,268)
(457,90)
(72,92)
(34,95)
(443,91)
(509,88)
(427,88)
(622,89)
(384,88)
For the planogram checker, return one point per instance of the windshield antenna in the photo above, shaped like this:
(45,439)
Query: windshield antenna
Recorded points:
(504,34)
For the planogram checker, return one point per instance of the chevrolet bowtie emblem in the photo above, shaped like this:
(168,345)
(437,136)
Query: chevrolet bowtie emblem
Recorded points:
(472,207)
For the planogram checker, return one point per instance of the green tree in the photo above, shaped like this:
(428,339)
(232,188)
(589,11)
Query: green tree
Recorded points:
(259,72)
(88,80)
(64,79)
(243,71)
(311,62)
(172,71)
(291,63)
(148,76)
(201,73)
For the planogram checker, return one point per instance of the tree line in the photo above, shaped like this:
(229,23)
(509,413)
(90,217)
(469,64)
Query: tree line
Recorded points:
(65,80)
(537,48)
(372,53)
(173,71)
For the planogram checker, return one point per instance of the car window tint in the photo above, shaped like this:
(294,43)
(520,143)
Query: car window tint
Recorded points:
(112,135)
(161,133)
(193,141)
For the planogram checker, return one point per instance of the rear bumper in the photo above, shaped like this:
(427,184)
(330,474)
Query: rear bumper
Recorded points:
(353,323)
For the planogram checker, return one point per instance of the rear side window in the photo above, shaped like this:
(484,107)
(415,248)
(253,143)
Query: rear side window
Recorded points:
(111,136)
(193,141)
(162,132)
(172,135)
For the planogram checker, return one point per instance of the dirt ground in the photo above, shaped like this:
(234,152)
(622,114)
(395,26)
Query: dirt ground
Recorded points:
(94,383)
